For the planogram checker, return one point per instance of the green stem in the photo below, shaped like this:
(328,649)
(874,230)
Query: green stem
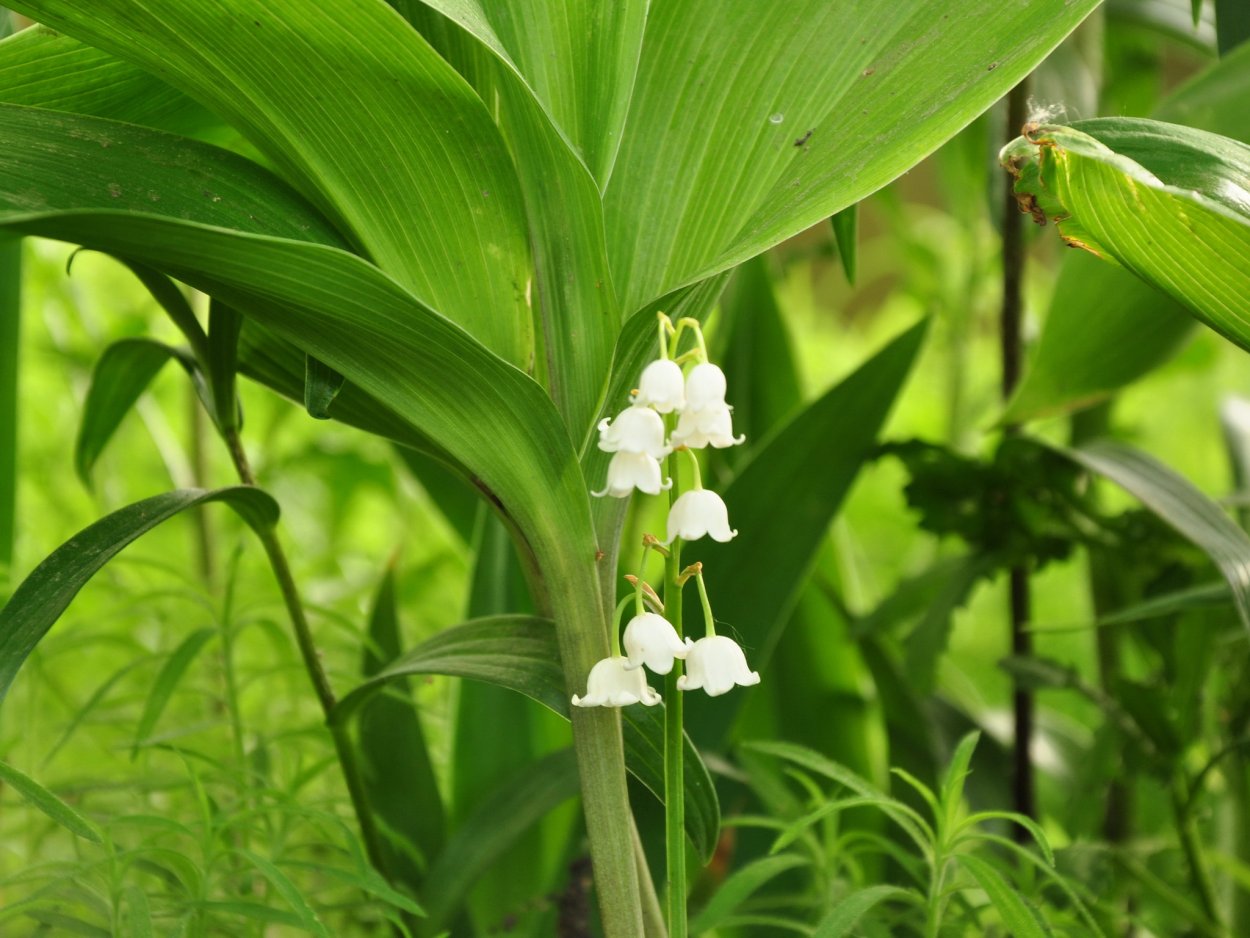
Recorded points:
(674,770)
(10,314)
(311,657)
(1191,846)
(709,623)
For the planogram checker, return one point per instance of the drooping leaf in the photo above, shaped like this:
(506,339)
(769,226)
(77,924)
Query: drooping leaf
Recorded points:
(782,502)
(845,239)
(48,590)
(50,804)
(739,887)
(425,141)
(322,385)
(1177,502)
(521,654)
(1105,327)
(1169,203)
(740,136)
(224,325)
(399,779)
(121,375)
(283,886)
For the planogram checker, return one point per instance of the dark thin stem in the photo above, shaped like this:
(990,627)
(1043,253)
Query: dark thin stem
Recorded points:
(1191,846)
(312,665)
(1024,789)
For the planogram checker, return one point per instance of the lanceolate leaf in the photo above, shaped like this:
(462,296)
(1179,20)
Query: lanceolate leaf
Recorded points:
(850,909)
(520,653)
(1015,915)
(1169,203)
(740,136)
(49,804)
(424,141)
(48,590)
(1175,500)
(782,503)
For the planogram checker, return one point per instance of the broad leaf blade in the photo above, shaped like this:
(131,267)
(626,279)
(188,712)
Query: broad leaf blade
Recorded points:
(424,141)
(48,590)
(717,162)
(1175,500)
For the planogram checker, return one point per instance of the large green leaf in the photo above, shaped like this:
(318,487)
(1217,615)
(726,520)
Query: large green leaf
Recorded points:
(1105,327)
(520,653)
(782,503)
(43,68)
(741,135)
(48,590)
(1176,501)
(395,146)
(1169,203)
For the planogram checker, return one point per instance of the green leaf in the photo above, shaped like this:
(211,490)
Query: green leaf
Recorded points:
(425,141)
(1105,327)
(1175,500)
(224,325)
(10,333)
(48,590)
(166,683)
(1016,916)
(50,804)
(399,779)
(322,385)
(491,829)
(845,237)
(1232,24)
(138,913)
(739,887)
(521,654)
(952,787)
(43,68)
(1169,203)
(283,886)
(740,136)
(782,501)
(121,375)
(851,908)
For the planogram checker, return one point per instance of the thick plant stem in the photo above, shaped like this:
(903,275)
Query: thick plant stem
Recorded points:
(1023,786)
(311,657)
(674,767)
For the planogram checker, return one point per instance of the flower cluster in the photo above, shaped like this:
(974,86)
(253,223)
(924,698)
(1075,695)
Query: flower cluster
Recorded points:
(690,409)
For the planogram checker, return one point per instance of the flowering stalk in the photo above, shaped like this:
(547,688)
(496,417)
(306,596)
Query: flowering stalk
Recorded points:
(674,767)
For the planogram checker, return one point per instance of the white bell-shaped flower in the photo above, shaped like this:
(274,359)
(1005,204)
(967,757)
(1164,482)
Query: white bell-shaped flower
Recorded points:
(696,513)
(611,684)
(629,471)
(636,429)
(712,426)
(662,387)
(716,664)
(651,640)
(705,387)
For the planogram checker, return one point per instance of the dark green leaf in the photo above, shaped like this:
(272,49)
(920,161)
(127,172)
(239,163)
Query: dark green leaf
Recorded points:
(224,325)
(845,237)
(121,375)
(48,590)
(322,385)
(1232,24)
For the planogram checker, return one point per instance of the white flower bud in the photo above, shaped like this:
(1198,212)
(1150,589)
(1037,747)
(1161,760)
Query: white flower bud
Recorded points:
(662,386)
(629,471)
(716,664)
(651,640)
(611,685)
(696,513)
(636,430)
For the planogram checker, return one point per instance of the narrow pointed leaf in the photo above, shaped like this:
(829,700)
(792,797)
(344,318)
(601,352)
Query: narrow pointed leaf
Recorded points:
(425,141)
(1177,502)
(49,589)
(739,887)
(49,804)
(121,375)
(845,239)
(1015,915)
(322,385)
(740,136)
(782,503)
(284,887)
(850,909)
(224,325)
(166,683)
